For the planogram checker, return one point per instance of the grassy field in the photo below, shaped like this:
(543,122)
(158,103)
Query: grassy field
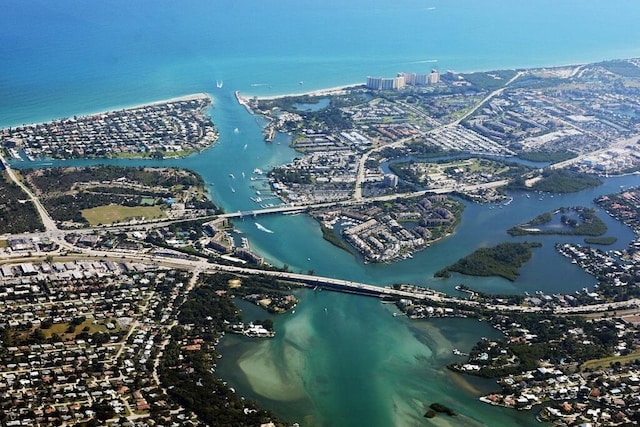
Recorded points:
(606,361)
(118,213)
(61,329)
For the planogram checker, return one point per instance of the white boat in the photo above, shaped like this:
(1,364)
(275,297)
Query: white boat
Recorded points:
(219,84)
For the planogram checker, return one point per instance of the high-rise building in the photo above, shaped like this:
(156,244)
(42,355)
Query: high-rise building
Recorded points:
(409,78)
(385,83)
(422,79)
(374,83)
(398,83)
(434,77)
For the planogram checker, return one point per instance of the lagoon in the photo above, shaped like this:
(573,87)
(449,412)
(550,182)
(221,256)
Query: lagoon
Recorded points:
(353,363)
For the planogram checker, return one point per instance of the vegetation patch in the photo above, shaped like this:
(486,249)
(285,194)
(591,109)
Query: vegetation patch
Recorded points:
(68,193)
(624,68)
(17,212)
(546,156)
(489,81)
(439,408)
(331,237)
(117,213)
(576,221)
(605,362)
(559,181)
(78,328)
(503,260)
(465,170)
(609,240)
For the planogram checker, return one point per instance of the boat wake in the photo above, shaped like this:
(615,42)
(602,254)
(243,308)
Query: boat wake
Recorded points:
(263,228)
(426,61)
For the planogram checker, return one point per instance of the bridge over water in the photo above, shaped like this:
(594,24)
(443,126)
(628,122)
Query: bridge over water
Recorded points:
(345,286)
(264,211)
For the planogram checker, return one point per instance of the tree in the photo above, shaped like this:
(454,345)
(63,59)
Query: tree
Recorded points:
(103,410)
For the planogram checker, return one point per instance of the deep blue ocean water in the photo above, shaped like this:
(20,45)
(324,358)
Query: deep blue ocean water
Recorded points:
(363,367)
(72,56)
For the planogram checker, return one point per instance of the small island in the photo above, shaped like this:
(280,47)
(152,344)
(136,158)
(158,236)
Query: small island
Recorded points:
(436,408)
(502,260)
(575,221)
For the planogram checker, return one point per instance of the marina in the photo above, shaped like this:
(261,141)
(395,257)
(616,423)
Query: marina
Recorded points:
(326,360)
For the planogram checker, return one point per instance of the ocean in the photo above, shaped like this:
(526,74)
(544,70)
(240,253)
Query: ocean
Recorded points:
(339,360)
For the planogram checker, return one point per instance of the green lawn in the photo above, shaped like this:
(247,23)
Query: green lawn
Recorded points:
(606,361)
(118,213)
(61,329)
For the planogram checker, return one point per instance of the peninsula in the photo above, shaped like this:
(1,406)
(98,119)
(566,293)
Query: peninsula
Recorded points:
(172,128)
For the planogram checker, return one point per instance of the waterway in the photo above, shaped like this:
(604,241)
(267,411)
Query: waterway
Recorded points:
(344,360)
(340,360)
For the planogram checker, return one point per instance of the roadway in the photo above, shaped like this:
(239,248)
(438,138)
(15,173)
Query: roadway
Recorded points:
(619,144)
(485,99)
(48,222)
(201,265)
(357,193)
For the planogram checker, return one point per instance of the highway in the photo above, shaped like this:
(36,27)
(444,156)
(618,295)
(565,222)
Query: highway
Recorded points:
(485,99)
(339,285)
(202,265)
(357,194)
(48,222)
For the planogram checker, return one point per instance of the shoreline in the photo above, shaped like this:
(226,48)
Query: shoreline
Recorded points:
(190,97)
(335,90)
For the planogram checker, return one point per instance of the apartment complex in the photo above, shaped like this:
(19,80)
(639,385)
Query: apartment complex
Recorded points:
(403,79)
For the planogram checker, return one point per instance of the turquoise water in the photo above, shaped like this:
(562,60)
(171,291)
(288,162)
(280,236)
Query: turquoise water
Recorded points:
(353,363)
(72,56)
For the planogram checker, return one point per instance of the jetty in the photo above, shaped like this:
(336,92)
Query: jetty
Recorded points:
(243,101)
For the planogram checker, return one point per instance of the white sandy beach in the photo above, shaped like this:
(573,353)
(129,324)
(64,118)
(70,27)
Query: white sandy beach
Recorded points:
(191,97)
(337,90)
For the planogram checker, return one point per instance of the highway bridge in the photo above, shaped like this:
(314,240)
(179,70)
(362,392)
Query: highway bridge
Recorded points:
(352,202)
(264,211)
